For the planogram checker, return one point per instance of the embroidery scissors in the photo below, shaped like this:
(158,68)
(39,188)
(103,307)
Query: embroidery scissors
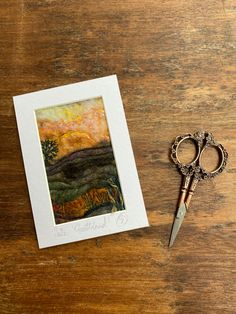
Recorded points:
(193,172)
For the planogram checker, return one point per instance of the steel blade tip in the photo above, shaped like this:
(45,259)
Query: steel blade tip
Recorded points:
(171,243)
(172,240)
(177,223)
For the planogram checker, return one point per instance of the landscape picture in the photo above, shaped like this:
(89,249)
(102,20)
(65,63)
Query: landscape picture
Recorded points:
(79,161)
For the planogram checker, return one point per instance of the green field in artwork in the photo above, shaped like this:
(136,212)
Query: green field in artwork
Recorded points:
(79,160)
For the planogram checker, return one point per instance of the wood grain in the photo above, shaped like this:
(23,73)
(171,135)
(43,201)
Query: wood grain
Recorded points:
(175,61)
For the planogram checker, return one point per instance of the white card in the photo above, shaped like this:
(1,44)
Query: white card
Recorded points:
(79,163)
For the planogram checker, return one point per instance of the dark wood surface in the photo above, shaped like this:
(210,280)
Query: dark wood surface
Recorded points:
(175,61)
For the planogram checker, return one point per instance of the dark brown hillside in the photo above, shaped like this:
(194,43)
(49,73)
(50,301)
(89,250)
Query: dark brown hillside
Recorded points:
(82,159)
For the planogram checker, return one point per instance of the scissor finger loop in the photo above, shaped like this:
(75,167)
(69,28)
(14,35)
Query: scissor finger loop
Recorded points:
(175,147)
(223,159)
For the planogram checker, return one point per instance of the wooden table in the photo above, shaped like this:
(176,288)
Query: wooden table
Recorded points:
(175,61)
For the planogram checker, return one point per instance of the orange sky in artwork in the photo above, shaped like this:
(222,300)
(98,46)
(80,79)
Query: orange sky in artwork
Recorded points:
(74,126)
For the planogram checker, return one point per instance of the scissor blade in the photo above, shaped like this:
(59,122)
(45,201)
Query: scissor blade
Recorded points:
(177,223)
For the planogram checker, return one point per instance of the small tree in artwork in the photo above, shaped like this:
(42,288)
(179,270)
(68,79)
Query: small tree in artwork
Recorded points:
(50,150)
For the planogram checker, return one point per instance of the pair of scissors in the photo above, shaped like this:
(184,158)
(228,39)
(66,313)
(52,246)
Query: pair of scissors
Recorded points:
(193,172)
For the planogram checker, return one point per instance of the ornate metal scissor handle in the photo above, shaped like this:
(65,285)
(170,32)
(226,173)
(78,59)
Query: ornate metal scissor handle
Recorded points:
(203,140)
